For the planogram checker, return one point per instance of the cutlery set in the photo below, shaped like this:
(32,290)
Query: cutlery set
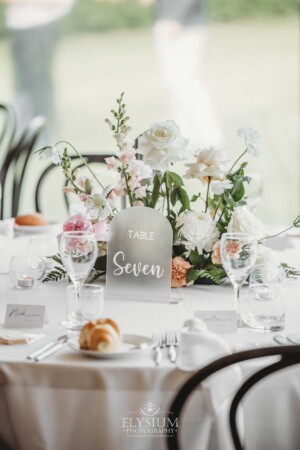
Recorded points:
(169,340)
(48,349)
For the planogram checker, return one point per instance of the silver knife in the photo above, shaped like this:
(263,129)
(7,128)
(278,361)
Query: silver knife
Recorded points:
(50,351)
(46,347)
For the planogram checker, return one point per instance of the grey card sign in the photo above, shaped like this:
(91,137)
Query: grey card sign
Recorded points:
(139,257)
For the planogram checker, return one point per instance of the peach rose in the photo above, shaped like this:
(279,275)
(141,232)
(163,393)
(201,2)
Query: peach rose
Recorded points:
(233,249)
(216,254)
(179,271)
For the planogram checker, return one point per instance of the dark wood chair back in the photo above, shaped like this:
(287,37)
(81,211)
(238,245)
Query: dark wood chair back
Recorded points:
(289,355)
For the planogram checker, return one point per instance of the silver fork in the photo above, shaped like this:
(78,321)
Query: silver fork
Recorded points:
(158,340)
(171,343)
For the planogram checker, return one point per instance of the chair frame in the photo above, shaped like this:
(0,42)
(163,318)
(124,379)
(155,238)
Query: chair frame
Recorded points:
(290,355)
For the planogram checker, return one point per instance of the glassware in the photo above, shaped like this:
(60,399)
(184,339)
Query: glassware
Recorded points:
(45,247)
(90,305)
(26,271)
(267,297)
(78,252)
(238,255)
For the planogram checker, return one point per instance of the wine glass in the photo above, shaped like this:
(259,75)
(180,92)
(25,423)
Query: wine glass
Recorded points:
(78,252)
(238,255)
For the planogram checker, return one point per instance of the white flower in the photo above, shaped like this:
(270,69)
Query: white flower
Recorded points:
(210,162)
(139,170)
(266,256)
(162,144)
(218,187)
(252,140)
(243,221)
(199,231)
(98,206)
(51,152)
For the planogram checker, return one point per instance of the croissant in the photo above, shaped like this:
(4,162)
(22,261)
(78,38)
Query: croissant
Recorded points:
(102,335)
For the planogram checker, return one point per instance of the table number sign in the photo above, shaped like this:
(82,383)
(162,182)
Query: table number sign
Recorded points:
(139,257)
(25,316)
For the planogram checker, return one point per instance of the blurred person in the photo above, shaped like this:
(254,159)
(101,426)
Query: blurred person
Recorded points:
(35,30)
(180,37)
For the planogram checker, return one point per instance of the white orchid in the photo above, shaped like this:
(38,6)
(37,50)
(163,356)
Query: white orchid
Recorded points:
(252,139)
(162,145)
(51,152)
(99,206)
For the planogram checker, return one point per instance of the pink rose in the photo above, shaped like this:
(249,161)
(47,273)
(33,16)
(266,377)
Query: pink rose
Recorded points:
(78,223)
(179,270)
(101,230)
(216,254)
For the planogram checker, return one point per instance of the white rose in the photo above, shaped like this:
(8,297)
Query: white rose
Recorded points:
(161,145)
(266,256)
(218,187)
(199,231)
(210,162)
(243,221)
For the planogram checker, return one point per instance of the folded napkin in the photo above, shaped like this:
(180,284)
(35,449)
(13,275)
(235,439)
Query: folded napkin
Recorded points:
(9,337)
(7,228)
(199,347)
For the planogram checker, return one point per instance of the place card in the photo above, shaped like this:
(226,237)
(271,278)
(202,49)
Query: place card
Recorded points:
(139,256)
(25,316)
(219,321)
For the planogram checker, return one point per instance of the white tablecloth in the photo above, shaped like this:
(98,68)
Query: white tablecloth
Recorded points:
(69,402)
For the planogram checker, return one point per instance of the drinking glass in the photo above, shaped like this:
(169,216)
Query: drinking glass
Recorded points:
(45,247)
(267,296)
(78,252)
(90,305)
(26,271)
(238,255)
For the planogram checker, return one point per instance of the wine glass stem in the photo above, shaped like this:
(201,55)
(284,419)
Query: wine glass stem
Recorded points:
(77,288)
(237,289)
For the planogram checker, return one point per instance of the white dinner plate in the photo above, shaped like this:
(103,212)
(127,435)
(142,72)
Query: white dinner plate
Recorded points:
(129,347)
(31,229)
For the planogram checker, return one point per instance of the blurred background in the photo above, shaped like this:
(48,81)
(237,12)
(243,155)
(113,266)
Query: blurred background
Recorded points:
(212,66)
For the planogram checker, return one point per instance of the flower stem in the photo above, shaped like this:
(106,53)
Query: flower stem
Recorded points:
(244,152)
(207,194)
(82,159)
(167,194)
(128,189)
(277,234)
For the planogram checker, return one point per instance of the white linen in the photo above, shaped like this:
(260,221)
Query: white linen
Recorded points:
(71,402)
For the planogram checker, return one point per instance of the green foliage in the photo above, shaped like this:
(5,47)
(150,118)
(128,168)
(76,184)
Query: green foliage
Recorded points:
(58,273)
(213,273)
(290,272)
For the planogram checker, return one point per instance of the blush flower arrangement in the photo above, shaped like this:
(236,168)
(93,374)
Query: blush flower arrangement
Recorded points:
(144,176)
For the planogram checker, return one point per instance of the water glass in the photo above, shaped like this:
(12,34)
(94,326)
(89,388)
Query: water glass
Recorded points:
(267,297)
(90,305)
(238,255)
(26,271)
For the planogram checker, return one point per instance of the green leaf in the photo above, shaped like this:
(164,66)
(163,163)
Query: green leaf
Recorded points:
(156,188)
(184,198)
(168,180)
(228,199)
(88,186)
(192,275)
(238,191)
(176,179)
(196,259)
(195,197)
(174,196)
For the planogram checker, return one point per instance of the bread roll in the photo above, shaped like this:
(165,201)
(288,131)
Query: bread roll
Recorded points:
(31,220)
(102,335)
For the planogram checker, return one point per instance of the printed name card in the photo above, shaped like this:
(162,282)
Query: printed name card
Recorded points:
(25,316)
(219,321)
(139,256)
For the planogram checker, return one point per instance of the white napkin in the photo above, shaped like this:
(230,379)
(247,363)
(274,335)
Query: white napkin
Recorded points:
(12,337)
(199,347)
(7,228)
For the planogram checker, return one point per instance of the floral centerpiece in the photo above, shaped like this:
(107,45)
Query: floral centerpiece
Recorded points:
(144,175)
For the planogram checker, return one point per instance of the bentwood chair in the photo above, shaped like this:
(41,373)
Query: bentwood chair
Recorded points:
(15,160)
(89,158)
(289,356)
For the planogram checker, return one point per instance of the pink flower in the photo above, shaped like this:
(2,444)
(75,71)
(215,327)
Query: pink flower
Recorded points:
(101,230)
(81,182)
(78,223)
(233,248)
(134,183)
(69,190)
(127,156)
(216,254)
(140,192)
(83,197)
(179,271)
(118,191)
(112,163)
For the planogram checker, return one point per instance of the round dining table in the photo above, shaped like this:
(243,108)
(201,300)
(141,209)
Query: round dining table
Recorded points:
(69,401)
